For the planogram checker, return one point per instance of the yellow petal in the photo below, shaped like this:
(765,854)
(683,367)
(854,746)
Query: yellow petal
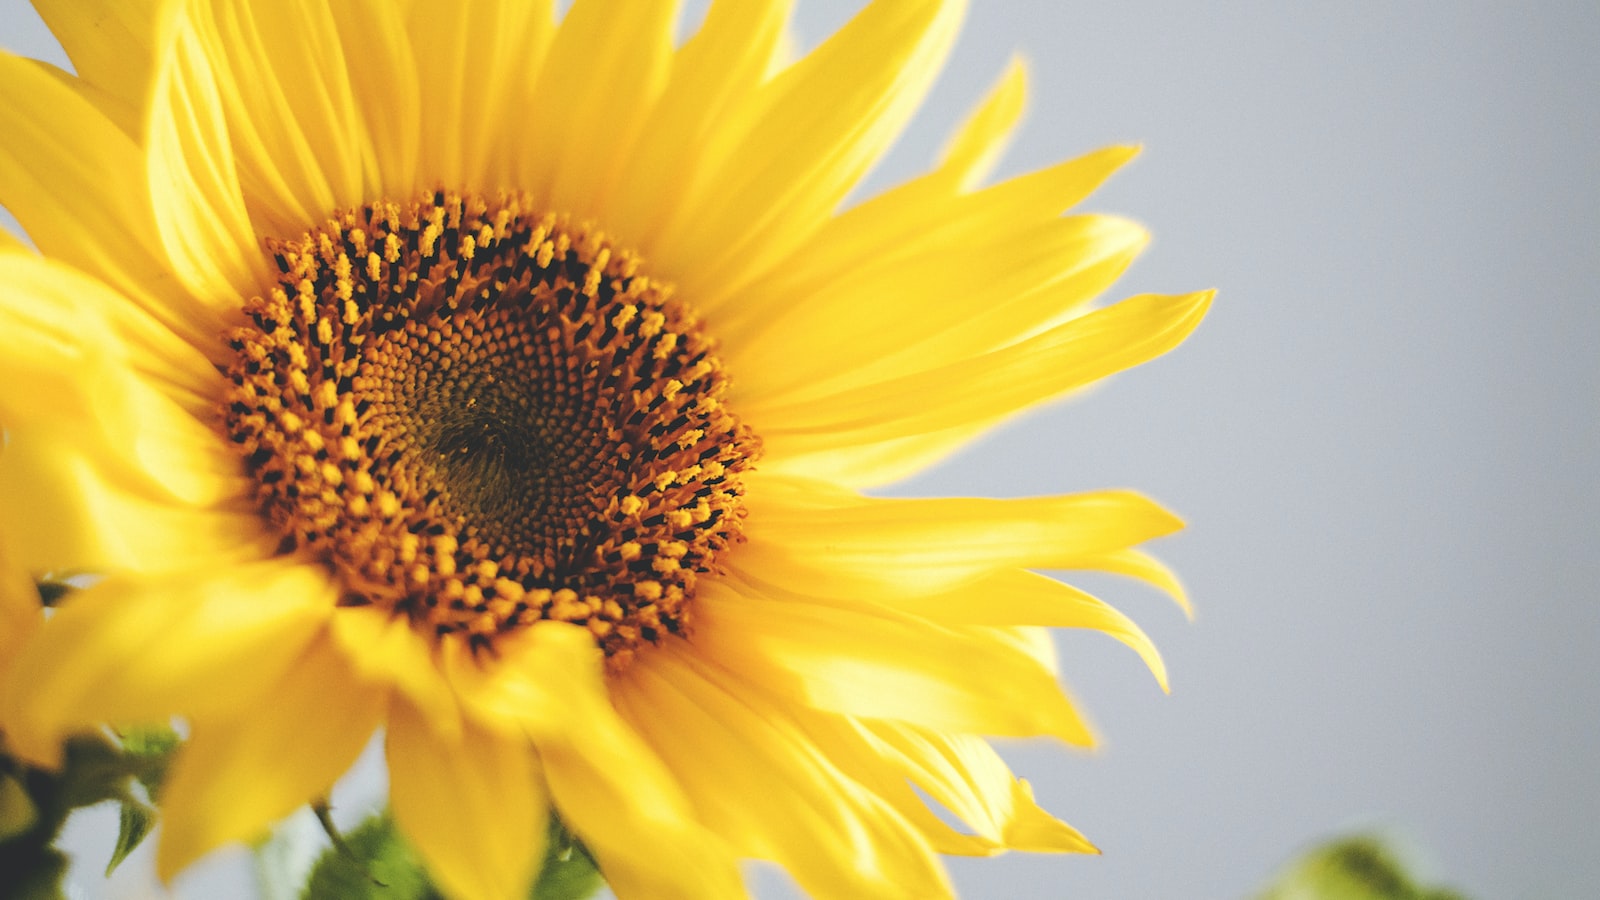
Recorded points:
(20,616)
(608,785)
(970,779)
(977,389)
(1137,564)
(73,331)
(1025,598)
(61,509)
(876,254)
(974,149)
(961,772)
(606,67)
(939,307)
(713,78)
(1045,277)
(74,180)
(839,740)
(860,546)
(239,773)
(474,72)
(92,447)
(1033,643)
(755,777)
(886,462)
(386,649)
(472,804)
(297,135)
(924,216)
(193,178)
(770,182)
(884,666)
(206,642)
(113,47)
(383,77)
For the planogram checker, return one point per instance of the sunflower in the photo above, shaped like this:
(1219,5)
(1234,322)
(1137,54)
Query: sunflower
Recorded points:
(508,385)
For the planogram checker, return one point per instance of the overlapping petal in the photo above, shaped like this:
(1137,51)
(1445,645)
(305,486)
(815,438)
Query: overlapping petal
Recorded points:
(74,180)
(766,183)
(969,778)
(113,46)
(109,460)
(388,650)
(71,511)
(841,545)
(472,802)
(913,313)
(210,642)
(610,788)
(979,388)
(885,666)
(382,62)
(198,204)
(573,151)
(296,137)
(714,78)
(253,763)
(757,778)
(467,81)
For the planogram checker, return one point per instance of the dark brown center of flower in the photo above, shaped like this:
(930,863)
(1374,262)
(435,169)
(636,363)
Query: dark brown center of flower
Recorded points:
(481,416)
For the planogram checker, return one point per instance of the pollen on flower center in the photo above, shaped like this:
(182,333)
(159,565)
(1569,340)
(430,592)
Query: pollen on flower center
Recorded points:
(481,416)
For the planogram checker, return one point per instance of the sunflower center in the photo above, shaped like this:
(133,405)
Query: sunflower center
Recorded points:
(481,416)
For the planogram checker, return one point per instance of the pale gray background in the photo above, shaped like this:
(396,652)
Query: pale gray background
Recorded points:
(1384,437)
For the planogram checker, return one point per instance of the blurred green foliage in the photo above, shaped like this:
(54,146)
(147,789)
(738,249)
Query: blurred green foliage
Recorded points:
(1360,867)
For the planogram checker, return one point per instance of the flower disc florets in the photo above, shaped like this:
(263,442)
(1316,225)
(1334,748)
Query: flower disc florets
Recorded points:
(482,416)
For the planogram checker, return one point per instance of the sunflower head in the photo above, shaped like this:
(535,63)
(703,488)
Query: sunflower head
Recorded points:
(481,416)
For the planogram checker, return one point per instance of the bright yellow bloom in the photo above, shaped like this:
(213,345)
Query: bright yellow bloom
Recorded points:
(507,385)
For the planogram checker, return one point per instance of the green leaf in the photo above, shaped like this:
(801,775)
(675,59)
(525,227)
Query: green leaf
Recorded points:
(34,804)
(38,872)
(1362,867)
(149,752)
(569,871)
(135,823)
(375,863)
(96,770)
(18,814)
